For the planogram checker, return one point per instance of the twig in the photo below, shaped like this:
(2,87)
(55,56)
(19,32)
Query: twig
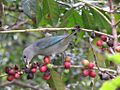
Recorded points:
(17,24)
(96,68)
(114,30)
(95,58)
(3,75)
(52,29)
(20,84)
(75,66)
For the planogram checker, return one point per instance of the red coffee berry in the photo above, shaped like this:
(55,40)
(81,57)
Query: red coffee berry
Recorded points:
(11,72)
(92,74)
(43,68)
(46,59)
(46,77)
(10,78)
(67,65)
(84,62)
(104,38)
(16,75)
(67,59)
(90,65)
(33,70)
(99,43)
(85,73)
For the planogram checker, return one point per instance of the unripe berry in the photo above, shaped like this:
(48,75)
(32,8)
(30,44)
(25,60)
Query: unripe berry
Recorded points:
(84,62)
(10,78)
(92,74)
(67,59)
(16,75)
(85,73)
(46,77)
(66,71)
(33,70)
(67,65)
(43,68)
(46,59)
(50,66)
(104,38)
(99,43)
(90,65)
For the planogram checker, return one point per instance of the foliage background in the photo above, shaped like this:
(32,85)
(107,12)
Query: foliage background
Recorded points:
(25,14)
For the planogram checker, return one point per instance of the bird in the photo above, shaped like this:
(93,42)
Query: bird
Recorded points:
(47,46)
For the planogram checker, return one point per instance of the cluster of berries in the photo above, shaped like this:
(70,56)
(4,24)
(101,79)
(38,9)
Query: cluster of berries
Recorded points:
(13,73)
(104,42)
(67,64)
(87,70)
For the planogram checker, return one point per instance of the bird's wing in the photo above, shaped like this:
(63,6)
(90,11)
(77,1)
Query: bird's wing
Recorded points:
(48,41)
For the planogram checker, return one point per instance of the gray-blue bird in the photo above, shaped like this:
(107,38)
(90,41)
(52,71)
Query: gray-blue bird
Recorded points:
(47,46)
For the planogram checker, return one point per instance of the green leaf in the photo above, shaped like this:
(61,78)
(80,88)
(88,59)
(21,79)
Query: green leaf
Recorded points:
(55,81)
(101,20)
(115,58)
(10,0)
(87,19)
(50,12)
(71,18)
(38,11)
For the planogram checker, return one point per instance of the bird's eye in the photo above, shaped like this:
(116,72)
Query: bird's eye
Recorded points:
(24,56)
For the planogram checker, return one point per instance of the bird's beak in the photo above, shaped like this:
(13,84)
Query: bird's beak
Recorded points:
(27,63)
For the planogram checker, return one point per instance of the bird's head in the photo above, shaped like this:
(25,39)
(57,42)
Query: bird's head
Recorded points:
(27,56)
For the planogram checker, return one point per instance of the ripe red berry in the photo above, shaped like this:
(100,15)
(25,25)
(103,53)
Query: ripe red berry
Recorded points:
(11,72)
(67,59)
(46,77)
(85,73)
(99,43)
(92,74)
(10,78)
(16,75)
(90,65)
(43,68)
(46,59)
(67,65)
(104,38)
(33,70)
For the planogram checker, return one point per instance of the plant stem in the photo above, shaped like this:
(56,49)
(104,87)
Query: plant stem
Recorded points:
(114,30)
(51,29)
